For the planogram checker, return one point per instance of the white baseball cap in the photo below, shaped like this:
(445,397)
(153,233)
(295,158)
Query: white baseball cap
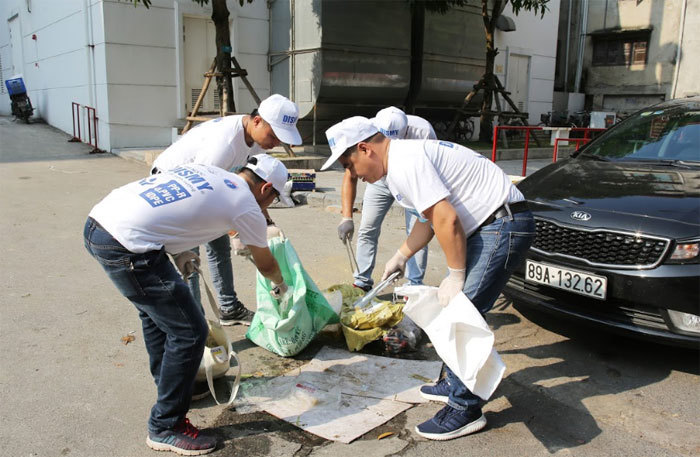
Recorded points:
(392,122)
(345,134)
(273,171)
(282,115)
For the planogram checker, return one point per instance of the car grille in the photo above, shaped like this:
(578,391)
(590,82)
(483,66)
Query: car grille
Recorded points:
(599,247)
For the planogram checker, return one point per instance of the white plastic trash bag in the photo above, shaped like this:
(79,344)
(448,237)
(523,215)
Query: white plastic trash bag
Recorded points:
(460,336)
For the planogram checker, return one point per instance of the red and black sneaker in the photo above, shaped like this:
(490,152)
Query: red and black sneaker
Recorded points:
(365,288)
(184,439)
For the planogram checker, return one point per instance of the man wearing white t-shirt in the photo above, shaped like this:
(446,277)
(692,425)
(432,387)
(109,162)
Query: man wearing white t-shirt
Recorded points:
(481,221)
(227,142)
(130,232)
(377,200)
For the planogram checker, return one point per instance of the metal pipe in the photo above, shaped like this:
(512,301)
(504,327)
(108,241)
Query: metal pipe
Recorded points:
(566,58)
(90,60)
(292,89)
(678,51)
(581,44)
(314,127)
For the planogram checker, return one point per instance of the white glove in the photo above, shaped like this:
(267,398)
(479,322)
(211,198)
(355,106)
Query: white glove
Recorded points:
(345,229)
(273,232)
(185,262)
(278,290)
(396,263)
(451,285)
(238,247)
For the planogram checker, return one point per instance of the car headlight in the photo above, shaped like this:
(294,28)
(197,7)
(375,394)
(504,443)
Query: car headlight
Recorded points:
(685,253)
(685,321)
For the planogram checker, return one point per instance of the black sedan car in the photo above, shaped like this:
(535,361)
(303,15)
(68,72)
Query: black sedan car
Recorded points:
(618,229)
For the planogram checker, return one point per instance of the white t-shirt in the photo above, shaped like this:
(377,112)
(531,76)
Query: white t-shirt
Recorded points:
(180,209)
(421,173)
(419,129)
(219,142)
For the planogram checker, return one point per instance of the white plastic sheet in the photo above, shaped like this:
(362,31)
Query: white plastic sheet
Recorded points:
(460,336)
(341,395)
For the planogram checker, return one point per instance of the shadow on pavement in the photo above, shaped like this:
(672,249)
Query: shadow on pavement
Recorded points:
(548,399)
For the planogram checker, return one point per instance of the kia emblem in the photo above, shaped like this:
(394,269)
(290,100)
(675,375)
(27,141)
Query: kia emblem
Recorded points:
(580,216)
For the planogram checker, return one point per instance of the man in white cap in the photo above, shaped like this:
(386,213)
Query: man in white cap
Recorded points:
(131,231)
(377,200)
(481,221)
(227,142)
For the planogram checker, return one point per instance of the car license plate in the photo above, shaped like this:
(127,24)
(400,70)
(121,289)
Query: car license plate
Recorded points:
(575,281)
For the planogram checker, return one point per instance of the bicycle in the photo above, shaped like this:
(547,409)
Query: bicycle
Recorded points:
(554,119)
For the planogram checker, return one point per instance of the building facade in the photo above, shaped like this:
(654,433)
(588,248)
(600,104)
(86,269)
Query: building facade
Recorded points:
(138,68)
(628,54)
(141,70)
(526,60)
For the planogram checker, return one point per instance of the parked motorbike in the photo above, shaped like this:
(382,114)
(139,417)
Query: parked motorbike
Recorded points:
(21,105)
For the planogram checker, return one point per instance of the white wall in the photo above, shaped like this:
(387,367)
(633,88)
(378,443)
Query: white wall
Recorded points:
(55,63)
(133,72)
(688,79)
(140,72)
(536,38)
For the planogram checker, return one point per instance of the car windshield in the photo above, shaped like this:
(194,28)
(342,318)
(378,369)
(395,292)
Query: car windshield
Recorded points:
(670,134)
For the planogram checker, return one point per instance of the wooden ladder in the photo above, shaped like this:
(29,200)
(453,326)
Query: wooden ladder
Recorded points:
(236,72)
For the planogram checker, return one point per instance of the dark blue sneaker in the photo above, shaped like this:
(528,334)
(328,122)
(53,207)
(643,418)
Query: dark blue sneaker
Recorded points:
(184,439)
(438,392)
(451,423)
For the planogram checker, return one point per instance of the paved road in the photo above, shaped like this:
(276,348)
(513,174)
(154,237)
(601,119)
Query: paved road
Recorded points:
(69,387)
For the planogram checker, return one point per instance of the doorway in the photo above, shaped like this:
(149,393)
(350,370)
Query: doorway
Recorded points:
(199,38)
(517,80)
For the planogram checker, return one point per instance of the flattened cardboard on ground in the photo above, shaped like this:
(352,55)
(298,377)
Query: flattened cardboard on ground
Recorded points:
(341,395)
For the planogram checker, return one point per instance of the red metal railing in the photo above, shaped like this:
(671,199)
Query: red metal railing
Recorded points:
(528,128)
(92,130)
(91,120)
(578,142)
(75,109)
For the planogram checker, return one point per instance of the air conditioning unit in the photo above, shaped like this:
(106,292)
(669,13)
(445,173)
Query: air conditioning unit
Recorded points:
(602,119)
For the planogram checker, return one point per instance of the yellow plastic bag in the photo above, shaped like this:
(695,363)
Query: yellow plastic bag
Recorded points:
(362,326)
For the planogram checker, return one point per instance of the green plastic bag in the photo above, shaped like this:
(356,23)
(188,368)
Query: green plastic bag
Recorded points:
(286,330)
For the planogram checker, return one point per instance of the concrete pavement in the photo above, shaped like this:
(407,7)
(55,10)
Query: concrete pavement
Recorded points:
(70,387)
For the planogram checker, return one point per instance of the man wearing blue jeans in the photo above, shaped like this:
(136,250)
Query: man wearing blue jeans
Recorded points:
(227,142)
(480,219)
(377,200)
(130,233)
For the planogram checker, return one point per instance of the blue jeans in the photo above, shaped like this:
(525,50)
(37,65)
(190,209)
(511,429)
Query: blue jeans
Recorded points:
(493,252)
(375,205)
(221,270)
(174,327)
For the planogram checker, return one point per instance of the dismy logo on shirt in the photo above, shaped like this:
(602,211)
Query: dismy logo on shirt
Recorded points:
(193,177)
(398,197)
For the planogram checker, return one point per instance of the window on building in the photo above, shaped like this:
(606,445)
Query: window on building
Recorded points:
(620,48)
